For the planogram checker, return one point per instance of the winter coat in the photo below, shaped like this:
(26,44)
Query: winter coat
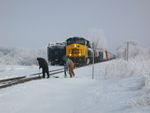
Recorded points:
(42,63)
(70,63)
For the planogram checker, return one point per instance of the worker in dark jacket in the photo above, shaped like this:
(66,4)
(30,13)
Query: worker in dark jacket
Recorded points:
(44,65)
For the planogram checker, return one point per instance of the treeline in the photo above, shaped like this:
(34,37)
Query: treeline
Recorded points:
(15,56)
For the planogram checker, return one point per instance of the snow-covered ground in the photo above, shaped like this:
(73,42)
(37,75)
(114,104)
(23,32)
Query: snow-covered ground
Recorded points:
(119,86)
(111,91)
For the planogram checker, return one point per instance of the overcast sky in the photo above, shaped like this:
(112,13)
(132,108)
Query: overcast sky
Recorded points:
(35,23)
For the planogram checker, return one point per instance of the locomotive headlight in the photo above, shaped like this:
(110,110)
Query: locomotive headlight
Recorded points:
(75,45)
(70,54)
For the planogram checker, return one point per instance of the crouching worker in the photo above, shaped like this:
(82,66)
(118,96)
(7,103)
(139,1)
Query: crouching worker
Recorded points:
(44,65)
(70,65)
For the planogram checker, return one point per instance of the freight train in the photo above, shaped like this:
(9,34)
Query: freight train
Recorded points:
(79,50)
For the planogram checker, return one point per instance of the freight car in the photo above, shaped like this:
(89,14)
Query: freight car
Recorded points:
(105,55)
(55,53)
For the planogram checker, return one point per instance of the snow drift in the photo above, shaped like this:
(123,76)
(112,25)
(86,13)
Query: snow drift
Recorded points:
(137,65)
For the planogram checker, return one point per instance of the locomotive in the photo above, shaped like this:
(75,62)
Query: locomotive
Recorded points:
(79,50)
(55,53)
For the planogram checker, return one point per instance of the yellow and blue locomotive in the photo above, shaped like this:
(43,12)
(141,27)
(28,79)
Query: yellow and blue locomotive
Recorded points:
(79,50)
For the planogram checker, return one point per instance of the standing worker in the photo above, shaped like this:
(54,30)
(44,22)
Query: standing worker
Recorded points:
(44,65)
(70,65)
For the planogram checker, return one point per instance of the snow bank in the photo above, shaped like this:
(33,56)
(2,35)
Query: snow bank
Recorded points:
(118,69)
(138,65)
(20,56)
(139,60)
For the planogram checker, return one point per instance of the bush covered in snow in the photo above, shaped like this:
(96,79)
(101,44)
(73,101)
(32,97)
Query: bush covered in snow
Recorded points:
(130,49)
(20,56)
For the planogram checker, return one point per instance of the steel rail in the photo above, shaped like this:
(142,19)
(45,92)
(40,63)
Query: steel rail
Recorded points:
(18,80)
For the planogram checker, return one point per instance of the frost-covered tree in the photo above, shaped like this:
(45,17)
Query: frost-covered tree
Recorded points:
(131,49)
(98,38)
(20,56)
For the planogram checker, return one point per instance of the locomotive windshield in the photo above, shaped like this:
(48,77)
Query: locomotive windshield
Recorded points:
(76,40)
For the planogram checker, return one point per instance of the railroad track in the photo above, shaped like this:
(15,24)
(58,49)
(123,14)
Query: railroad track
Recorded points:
(18,80)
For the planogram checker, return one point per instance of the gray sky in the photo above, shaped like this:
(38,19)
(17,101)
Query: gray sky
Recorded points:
(35,23)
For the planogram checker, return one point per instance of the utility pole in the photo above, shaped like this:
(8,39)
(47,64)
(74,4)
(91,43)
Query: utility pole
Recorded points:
(93,60)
